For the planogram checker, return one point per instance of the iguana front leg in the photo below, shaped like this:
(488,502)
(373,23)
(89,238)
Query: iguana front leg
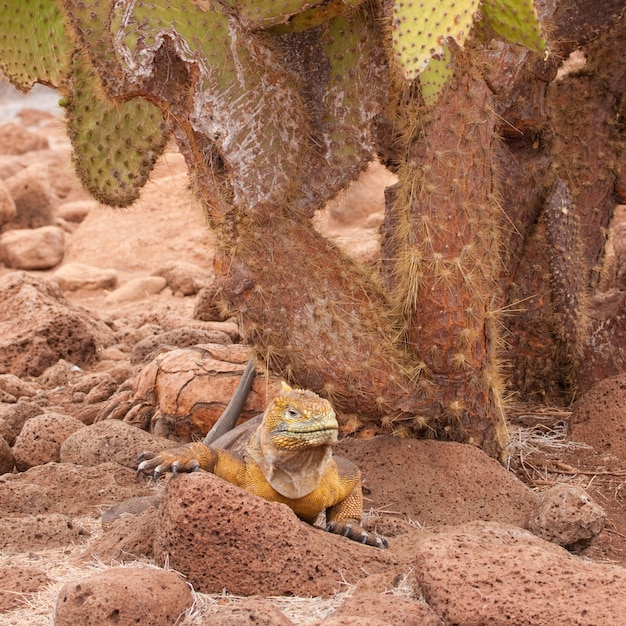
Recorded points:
(188,458)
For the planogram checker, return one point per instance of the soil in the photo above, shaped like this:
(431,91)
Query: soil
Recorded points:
(165,226)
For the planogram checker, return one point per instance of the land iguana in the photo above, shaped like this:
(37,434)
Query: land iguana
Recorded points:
(287,458)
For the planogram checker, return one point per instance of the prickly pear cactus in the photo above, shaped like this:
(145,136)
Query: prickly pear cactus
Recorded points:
(116,144)
(34,46)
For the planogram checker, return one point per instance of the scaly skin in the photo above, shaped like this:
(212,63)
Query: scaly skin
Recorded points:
(288,459)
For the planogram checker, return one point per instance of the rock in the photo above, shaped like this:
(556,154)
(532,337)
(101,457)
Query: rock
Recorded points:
(124,596)
(207,307)
(76,211)
(254,547)
(16,139)
(40,440)
(39,532)
(73,276)
(238,611)
(7,205)
(567,516)
(38,326)
(176,338)
(137,289)
(32,249)
(599,417)
(16,386)
(17,583)
(60,374)
(34,197)
(457,483)
(128,539)
(184,279)
(14,416)
(68,489)
(388,608)
(181,393)
(489,573)
(7,461)
(110,440)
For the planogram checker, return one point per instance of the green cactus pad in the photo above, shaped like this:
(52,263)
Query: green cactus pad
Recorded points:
(420,30)
(91,22)
(437,73)
(115,143)
(516,21)
(316,16)
(34,45)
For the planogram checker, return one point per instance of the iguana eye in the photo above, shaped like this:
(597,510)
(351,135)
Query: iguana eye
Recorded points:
(292,414)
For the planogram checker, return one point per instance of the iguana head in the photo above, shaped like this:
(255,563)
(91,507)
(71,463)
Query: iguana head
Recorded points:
(298,418)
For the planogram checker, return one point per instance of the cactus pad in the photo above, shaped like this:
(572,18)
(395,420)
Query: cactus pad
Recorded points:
(420,30)
(34,46)
(266,13)
(115,143)
(516,21)
(437,73)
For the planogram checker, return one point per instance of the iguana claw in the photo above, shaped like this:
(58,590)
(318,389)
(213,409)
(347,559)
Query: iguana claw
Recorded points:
(356,533)
(175,461)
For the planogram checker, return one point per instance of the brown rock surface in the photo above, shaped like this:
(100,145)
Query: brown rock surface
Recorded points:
(16,139)
(39,532)
(7,206)
(34,197)
(599,417)
(184,279)
(257,611)
(456,484)
(389,609)
(72,276)
(489,573)
(68,489)
(567,516)
(110,440)
(124,596)
(7,461)
(247,546)
(32,249)
(41,438)
(14,416)
(18,583)
(38,326)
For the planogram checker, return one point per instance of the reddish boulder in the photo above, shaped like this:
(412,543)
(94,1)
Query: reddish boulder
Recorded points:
(38,326)
(17,583)
(124,596)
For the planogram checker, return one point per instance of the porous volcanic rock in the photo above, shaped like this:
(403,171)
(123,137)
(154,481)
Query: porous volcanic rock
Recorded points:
(388,608)
(457,483)
(567,516)
(184,279)
(38,326)
(257,611)
(7,206)
(17,582)
(248,546)
(599,417)
(7,461)
(490,573)
(41,437)
(76,210)
(124,596)
(110,440)
(16,386)
(127,539)
(34,197)
(32,249)
(14,416)
(68,489)
(39,532)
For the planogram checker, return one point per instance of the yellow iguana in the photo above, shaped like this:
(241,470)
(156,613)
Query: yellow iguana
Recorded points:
(288,459)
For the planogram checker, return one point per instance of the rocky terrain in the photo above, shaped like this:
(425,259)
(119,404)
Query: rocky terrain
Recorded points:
(111,344)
